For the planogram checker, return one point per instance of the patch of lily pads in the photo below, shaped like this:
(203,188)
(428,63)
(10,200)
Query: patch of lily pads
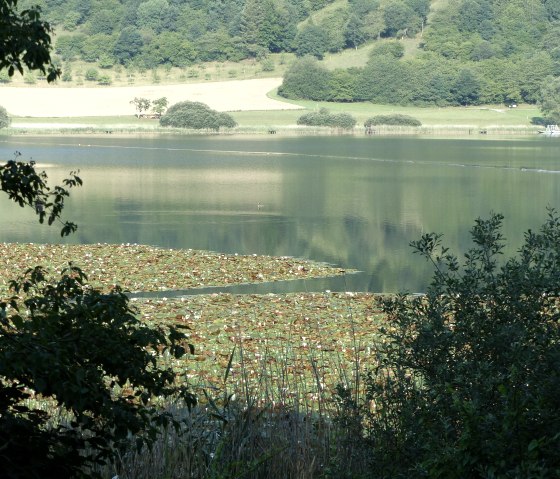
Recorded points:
(295,344)
(147,268)
(289,344)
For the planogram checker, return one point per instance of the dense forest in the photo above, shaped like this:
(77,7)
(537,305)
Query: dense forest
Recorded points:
(470,52)
(467,51)
(175,32)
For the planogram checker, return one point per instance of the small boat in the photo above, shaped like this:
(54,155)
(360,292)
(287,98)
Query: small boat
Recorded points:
(551,130)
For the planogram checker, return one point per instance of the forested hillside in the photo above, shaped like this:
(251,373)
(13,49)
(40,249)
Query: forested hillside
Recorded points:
(470,52)
(148,33)
(466,51)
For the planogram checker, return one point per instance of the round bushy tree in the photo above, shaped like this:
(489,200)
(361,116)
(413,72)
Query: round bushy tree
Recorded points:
(197,116)
(306,79)
(4,118)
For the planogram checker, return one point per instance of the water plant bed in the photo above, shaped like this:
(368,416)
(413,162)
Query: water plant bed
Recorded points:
(290,345)
(147,268)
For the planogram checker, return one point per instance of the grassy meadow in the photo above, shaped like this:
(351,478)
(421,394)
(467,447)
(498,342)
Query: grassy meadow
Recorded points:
(495,119)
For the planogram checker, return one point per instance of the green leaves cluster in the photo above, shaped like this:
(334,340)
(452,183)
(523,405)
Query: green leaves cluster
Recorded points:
(468,375)
(324,118)
(197,116)
(25,40)
(424,80)
(549,100)
(26,186)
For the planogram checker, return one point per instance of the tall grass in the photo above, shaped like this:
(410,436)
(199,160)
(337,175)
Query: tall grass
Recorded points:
(274,418)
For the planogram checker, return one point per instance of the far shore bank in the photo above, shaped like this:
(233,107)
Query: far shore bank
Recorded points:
(254,104)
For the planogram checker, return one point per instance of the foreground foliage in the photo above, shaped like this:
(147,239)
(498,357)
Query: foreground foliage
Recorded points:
(25,40)
(468,383)
(78,371)
(86,357)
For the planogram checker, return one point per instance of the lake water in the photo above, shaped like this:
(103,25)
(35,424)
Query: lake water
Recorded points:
(356,202)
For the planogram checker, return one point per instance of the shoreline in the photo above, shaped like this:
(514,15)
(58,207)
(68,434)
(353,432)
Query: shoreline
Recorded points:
(128,130)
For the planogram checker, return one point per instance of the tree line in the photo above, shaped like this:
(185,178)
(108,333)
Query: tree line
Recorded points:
(427,79)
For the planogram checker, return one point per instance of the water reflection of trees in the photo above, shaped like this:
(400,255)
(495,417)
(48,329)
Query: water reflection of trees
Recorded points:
(353,212)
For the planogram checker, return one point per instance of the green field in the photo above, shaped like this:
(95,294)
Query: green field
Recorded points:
(435,120)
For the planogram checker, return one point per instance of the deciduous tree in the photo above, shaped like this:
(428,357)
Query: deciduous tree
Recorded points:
(141,104)
(25,40)
(549,99)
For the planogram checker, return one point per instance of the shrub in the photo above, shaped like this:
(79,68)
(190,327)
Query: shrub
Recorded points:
(105,80)
(4,118)
(396,119)
(468,379)
(67,74)
(5,77)
(392,48)
(324,118)
(267,65)
(196,115)
(91,74)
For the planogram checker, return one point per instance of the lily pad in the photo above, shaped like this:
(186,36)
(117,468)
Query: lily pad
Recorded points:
(148,268)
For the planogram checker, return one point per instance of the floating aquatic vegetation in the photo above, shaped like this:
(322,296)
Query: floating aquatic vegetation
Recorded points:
(283,338)
(146,268)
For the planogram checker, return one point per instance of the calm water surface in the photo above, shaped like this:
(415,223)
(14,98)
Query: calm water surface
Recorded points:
(353,202)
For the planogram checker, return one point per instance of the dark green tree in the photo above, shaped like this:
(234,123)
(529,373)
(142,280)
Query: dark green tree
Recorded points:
(69,47)
(159,105)
(128,45)
(306,79)
(466,88)
(197,116)
(312,40)
(400,19)
(342,85)
(549,99)
(104,21)
(264,25)
(354,34)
